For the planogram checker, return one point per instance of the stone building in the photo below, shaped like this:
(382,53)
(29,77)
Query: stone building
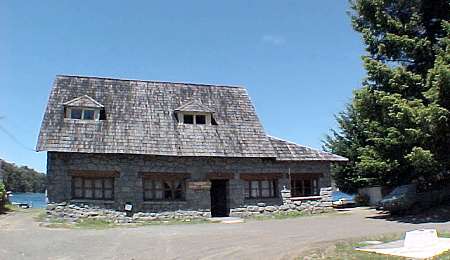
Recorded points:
(168,146)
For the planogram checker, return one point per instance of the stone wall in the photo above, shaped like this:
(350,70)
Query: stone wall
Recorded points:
(129,188)
(72,213)
(307,205)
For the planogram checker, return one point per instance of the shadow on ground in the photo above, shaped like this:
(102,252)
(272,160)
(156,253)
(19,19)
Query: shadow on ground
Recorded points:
(438,214)
(4,211)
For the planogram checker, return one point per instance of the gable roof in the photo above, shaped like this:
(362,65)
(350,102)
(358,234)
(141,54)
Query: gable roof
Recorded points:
(194,106)
(140,120)
(83,101)
(289,151)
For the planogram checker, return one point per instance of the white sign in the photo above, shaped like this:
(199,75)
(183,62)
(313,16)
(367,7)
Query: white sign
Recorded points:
(128,207)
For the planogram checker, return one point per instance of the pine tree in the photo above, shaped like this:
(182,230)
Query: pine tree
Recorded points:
(396,129)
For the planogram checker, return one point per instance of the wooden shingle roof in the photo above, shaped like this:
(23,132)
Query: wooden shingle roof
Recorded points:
(194,106)
(289,151)
(140,119)
(83,101)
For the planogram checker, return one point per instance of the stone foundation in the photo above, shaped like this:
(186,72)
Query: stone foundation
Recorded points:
(306,205)
(72,213)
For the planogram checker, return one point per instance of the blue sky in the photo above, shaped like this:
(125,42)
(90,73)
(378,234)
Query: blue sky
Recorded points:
(299,60)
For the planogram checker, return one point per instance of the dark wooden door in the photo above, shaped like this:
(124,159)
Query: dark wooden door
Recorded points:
(219,205)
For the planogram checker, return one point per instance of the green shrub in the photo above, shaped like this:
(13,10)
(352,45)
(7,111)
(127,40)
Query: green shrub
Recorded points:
(2,196)
(362,199)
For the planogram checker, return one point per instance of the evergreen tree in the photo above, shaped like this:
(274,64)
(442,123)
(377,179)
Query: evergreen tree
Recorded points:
(396,129)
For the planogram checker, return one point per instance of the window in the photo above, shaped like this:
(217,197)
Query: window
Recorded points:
(93,188)
(83,113)
(195,118)
(304,187)
(188,119)
(76,113)
(200,119)
(255,189)
(88,114)
(163,189)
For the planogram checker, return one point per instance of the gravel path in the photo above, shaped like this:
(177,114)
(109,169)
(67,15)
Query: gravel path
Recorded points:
(22,238)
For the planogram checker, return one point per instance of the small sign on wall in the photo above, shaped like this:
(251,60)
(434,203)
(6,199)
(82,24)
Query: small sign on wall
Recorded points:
(199,185)
(128,207)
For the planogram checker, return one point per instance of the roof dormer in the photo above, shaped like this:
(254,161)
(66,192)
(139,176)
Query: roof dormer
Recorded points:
(83,108)
(195,113)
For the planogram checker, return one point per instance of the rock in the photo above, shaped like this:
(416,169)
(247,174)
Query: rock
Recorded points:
(92,214)
(300,208)
(283,207)
(327,204)
(63,204)
(147,219)
(51,206)
(253,208)
(270,208)
(261,204)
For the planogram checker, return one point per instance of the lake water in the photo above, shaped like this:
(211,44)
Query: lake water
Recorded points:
(37,200)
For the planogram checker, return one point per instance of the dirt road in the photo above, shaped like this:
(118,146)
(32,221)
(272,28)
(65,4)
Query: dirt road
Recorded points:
(22,238)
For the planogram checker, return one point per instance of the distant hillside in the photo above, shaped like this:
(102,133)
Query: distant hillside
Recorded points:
(21,179)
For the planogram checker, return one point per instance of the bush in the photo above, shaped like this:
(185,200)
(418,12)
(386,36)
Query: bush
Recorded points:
(2,196)
(362,199)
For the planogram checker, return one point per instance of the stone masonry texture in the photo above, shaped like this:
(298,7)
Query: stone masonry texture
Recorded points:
(129,187)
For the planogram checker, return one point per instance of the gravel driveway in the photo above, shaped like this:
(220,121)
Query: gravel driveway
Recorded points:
(22,238)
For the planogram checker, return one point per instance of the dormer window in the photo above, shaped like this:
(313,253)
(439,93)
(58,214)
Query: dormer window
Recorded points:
(84,108)
(200,119)
(85,114)
(195,113)
(194,118)
(188,119)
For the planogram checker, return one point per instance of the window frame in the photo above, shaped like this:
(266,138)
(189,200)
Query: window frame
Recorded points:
(96,115)
(93,188)
(172,189)
(197,117)
(272,188)
(190,115)
(208,119)
(301,191)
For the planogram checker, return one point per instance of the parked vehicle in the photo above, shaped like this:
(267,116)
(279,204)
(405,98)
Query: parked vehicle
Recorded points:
(342,200)
(400,199)
(407,197)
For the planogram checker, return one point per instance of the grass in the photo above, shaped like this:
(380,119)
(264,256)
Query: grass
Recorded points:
(94,224)
(103,224)
(346,250)
(83,224)
(295,214)
(90,223)
(174,222)
(8,208)
(41,216)
(281,215)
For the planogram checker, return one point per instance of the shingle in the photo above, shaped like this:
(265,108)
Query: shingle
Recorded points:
(83,101)
(194,106)
(140,119)
(289,151)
